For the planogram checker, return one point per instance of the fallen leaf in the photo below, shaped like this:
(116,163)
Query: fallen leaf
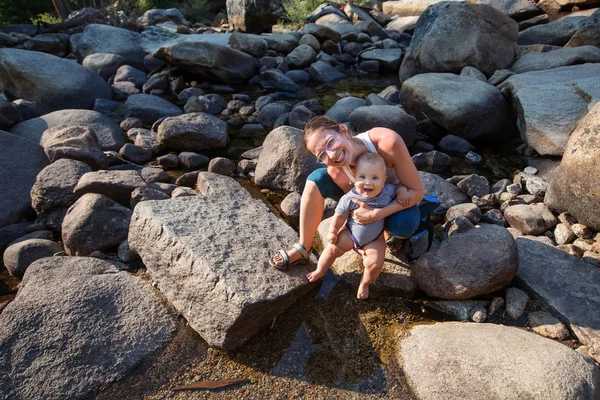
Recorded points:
(218,384)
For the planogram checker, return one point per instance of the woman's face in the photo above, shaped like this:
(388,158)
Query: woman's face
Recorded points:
(331,147)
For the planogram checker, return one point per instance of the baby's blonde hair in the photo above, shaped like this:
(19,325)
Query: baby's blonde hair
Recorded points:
(371,158)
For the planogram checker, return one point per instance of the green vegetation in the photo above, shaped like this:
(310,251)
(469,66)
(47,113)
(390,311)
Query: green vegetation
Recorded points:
(23,12)
(297,11)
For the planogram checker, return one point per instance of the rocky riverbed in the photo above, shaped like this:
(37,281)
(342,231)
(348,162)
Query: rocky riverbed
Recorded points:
(149,173)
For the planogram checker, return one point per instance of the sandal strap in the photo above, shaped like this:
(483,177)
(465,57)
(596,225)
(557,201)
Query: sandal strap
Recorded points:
(301,249)
(284,257)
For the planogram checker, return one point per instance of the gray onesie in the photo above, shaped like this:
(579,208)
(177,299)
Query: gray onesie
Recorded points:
(365,234)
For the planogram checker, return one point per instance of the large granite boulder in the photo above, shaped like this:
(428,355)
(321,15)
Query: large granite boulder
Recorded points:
(395,278)
(106,129)
(79,323)
(549,104)
(468,264)
(252,16)
(461,105)
(210,61)
(218,278)
(448,194)
(473,361)
(98,38)
(386,116)
(578,299)
(284,163)
(94,222)
(58,85)
(575,185)
(192,132)
(20,162)
(450,36)
(52,194)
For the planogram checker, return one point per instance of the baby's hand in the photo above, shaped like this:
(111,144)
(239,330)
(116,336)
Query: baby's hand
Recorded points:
(332,238)
(402,196)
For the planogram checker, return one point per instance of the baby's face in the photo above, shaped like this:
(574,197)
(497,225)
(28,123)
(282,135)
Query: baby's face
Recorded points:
(370,179)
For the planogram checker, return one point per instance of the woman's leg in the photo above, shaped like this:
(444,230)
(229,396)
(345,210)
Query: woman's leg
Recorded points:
(312,205)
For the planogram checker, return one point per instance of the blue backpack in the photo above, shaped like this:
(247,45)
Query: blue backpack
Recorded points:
(426,207)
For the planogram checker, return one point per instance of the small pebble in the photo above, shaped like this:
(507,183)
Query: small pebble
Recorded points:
(495,305)
(530,170)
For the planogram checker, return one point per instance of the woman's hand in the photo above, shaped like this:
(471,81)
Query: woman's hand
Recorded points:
(364,214)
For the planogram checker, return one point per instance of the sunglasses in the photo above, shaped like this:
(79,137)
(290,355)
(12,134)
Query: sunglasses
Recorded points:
(329,145)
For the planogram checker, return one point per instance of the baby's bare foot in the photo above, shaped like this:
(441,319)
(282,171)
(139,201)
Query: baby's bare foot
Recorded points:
(315,275)
(363,291)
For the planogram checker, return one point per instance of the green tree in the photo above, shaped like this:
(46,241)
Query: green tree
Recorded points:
(23,12)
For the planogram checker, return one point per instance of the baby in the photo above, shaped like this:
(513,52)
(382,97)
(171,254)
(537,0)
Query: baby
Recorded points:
(370,187)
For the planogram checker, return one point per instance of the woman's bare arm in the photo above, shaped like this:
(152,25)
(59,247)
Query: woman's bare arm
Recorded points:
(391,147)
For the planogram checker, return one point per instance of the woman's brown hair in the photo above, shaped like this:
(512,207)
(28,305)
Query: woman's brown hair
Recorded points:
(318,124)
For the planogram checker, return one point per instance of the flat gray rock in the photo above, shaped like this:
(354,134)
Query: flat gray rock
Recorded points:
(79,324)
(455,360)
(210,61)
(20,162)
(572,290)
(106,129)
(556,58)
(58,85)
(389,59)
(219,278)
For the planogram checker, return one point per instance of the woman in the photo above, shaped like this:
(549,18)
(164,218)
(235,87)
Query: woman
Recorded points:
(334,146)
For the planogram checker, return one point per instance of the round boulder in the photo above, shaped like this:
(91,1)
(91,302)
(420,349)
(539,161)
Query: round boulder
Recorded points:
(451,35)
(464,106)
(20,255)
(194,131)
(476,262)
